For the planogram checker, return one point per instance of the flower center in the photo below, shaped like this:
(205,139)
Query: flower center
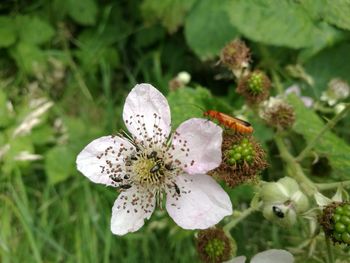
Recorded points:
(149,169)
(215,248)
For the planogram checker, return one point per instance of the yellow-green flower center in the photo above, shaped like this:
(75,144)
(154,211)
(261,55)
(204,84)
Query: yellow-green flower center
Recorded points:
(149,170)
(255,83)
(215,248)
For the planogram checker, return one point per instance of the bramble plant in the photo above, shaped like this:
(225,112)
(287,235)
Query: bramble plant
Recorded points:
(234,149)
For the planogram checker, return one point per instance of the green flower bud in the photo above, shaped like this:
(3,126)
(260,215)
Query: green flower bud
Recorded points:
(281,214)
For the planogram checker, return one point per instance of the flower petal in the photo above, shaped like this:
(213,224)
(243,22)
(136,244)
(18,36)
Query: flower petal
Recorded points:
(197,146)
(147,114)
(273,256)
(103,158)
(197,201)
(240,259)
(130,209)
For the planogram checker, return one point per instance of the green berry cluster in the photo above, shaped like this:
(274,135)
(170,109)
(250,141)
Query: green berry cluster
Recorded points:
(215,248)
(341,220)
(241,152)
(255,83)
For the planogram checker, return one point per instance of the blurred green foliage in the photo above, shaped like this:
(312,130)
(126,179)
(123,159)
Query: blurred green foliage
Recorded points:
(66,67)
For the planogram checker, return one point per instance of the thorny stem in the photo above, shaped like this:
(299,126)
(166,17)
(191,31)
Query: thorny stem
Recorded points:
(295,169)
(327,127)
(242,216)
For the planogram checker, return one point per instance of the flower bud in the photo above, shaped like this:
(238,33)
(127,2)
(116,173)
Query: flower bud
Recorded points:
(281,214)
(338,89)
(283,196)
(213,245)
(181,80)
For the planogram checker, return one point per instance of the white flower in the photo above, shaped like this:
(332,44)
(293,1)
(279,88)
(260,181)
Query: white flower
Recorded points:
(152,163)
(267,256)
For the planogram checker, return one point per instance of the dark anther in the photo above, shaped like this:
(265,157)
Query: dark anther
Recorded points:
(177,189)
(152,155)
(126,177)
(116,179)
(169,167)
(125,186)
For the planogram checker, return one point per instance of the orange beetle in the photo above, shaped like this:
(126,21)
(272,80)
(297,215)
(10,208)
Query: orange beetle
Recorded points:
(230,122)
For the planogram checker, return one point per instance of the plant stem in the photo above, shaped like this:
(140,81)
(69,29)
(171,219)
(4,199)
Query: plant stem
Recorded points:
(277,82)
(328,186)
(295,170)
(242,216)
(329,250)
(327,127)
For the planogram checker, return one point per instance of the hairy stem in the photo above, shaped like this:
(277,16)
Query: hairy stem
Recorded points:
(329,250)
(327,127)
(294,168)
(328,186)
(238,219)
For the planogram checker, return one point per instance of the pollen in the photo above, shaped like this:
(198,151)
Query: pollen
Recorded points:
(148,170)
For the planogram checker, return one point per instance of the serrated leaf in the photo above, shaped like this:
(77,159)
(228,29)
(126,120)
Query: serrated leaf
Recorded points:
(7,31)
(59,164)
(280,23)
(334,148)
(208,28)
(33,30)
(171,13)
(83,12)
(329,64)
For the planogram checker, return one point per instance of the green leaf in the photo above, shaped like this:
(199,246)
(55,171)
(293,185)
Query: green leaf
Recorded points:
(334,148)
(33,30)
(335,12)
(170,12)
(208,28)
(6,116)
(83,12)
(7,31)
(193,106)
(29,58)
(186,103)
(280,23)
(59,164)
(329,64)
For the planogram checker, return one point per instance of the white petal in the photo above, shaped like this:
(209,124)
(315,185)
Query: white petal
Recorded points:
(197,145)
(240,259)
(322,200)
(130,210)
(99,159)
(273,256)
(338,196)
(147,114)
(201,203)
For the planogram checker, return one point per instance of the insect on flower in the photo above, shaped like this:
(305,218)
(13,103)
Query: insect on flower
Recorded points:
(230,122)
(151,164)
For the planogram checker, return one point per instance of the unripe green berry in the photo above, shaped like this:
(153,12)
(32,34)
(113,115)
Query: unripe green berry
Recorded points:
(346,212)
(337,236)
(339,210)
(345,220)
(336,218)
(340,227)
(346,237)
